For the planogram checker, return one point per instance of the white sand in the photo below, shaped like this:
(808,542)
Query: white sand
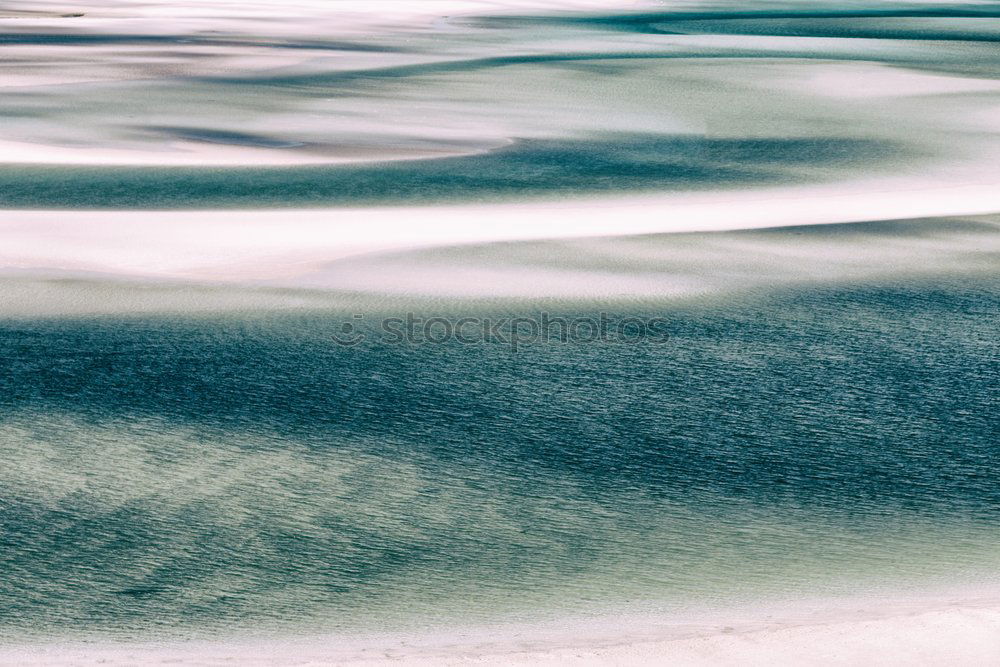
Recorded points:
(282,245)
(192,153)
(960,629)
(381,12)
(144,87)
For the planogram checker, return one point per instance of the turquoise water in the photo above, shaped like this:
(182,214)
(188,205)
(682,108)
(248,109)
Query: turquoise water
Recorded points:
(183,475)
(815,416)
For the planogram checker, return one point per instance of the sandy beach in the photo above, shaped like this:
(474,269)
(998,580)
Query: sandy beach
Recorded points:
(962,628)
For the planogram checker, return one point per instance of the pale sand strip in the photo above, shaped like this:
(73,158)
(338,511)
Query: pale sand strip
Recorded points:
(917,632)
(181,153)
(355,14)
(269,245)
(945,637)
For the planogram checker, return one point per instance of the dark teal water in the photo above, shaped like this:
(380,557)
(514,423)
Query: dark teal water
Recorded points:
(530,169)
(193,475)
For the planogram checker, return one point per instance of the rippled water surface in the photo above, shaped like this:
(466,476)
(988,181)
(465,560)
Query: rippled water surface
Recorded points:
(199,199)
(202,472)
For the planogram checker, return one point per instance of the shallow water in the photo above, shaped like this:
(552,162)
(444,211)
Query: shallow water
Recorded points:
(187,475)
(614,97)
(191,449)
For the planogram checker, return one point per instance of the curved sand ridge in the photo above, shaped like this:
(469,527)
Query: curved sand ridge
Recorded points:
(230,84)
